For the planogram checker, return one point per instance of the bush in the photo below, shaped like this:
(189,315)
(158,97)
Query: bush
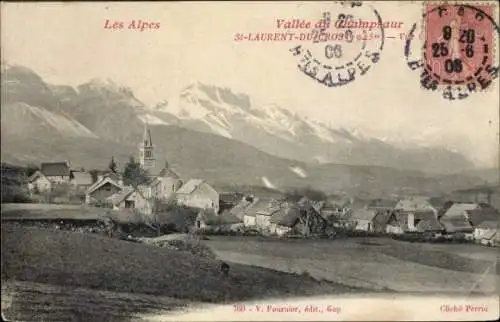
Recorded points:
(14,194)
(193,247)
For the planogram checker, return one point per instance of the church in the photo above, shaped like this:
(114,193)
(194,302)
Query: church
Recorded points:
(164,182)
(164,185)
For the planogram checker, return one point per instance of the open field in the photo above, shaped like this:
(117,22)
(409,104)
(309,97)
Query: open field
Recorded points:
(377,263)
(16,211)
(69,260)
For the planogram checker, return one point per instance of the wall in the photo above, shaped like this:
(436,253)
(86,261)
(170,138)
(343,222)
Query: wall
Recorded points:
(41,183)
(249,221)
(58,179)
(203,197)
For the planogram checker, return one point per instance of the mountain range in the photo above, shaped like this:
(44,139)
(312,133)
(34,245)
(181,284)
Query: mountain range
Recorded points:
(213,133)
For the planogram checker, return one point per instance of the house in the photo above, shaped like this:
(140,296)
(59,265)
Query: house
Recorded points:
(487,233)
(163,186)
(263,216)
(208,220)
(56,172)
(38,182)
(256,210)
(430,226)
(81,180)
(370,220)
(131,199)
(407,221)
(456,218)
(197,193)
(102,190)
(303,220)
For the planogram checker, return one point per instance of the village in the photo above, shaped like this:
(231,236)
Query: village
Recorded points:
(151,194)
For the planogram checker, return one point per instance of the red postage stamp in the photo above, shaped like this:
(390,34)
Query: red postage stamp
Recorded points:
(459,47)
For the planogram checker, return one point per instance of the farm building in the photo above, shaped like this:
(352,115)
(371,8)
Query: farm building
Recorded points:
(131,199)
(407,221)
(253,211)
(101,190)
(369,220)
(38,182)
(487,233)
(81,180)
(199,194)
(463,217)
(296,219)
(430,225)
(56,172)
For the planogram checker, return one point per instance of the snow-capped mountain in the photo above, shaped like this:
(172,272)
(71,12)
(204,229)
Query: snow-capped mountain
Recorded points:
(90,123)
(279,131)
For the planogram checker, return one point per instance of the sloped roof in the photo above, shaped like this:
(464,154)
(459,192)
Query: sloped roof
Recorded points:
(55,169)
(459,209)
(169,173)
(240,208)
(456,224)
(35,176)
(82,178)
(419,214)
(490,234)
(489,224)
(286,216)
(258,206)
(429,225)
(189,186)
(382,203)
(119,197)
(102,182)
(477,216)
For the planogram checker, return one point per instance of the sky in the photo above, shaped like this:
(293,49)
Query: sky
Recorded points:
(68,43)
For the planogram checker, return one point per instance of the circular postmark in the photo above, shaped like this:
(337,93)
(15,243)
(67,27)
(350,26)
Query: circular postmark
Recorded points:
(336,59)
(458,55)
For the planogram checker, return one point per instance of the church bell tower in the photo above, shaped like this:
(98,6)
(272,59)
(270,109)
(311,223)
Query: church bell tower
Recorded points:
(147,156)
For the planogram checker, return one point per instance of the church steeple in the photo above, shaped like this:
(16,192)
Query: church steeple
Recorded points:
(147,156)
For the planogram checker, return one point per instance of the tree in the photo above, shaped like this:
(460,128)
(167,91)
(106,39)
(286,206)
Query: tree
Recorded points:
(112,165)
(134,174)
(94,174)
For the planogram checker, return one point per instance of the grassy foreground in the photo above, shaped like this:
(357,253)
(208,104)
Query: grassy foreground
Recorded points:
(70,259)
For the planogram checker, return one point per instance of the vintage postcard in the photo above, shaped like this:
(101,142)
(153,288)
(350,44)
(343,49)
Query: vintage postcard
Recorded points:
(246,161)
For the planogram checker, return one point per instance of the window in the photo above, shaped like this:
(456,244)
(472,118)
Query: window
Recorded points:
(129,204)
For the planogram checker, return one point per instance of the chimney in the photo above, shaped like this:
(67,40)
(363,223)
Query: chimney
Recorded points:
(99,177)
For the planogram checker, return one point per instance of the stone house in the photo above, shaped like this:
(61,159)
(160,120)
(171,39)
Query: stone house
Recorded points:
(198,194)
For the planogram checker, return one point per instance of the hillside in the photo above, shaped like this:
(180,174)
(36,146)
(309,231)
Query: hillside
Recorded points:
(282,132)
(92,122)
(61,258)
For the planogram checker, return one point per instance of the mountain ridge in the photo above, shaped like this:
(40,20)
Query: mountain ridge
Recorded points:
(116,118)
